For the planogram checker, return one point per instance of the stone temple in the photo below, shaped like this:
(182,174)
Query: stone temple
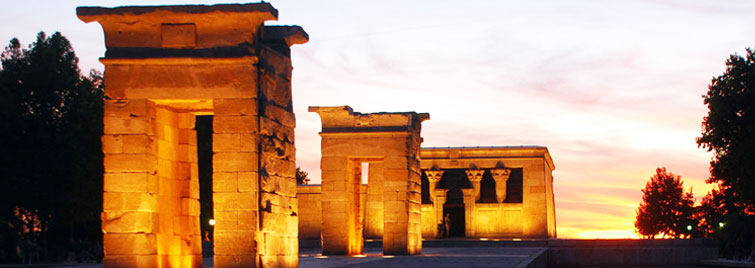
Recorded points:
(166,65)
(483,192)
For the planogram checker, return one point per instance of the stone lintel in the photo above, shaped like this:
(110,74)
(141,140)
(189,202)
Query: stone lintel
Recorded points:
(386,134)
(239,51)
(292,34)
(435,155)
(337,119)
(264,10)
(175,31)
(177,61)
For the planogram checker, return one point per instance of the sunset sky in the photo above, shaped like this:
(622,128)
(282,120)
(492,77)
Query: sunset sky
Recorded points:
(612,88)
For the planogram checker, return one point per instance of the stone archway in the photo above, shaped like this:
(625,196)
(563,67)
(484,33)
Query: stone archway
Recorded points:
(164,65)
(389,142)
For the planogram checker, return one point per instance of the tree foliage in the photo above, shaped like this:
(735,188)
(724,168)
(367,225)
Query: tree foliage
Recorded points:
(665,208)
(729,130)
(51,121)
(301,176)
(708,214)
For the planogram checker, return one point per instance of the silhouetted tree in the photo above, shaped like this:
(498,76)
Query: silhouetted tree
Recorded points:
(729,132)
(665,208)
(50,129)
(729,129)
(301,176)
(709,215)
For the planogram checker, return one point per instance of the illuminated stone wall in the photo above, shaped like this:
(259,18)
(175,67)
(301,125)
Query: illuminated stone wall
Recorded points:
(164,65)
(534,217)
(390,140)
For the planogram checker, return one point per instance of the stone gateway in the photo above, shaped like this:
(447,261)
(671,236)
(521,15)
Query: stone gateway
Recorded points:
(474,192)
(164,65)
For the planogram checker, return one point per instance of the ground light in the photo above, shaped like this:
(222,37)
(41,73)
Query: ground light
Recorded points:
(721,224)
(212,222)
(689,227)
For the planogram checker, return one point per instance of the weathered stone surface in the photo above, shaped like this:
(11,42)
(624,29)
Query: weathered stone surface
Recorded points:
(280,115)
(128,222)
(534,218)
(130,260)
(127,125)
(247,182)
(164,65)
(128,108)
(246,106)
(234,242)
(167,81)
(272,128)
(225,182)
(234,142)
(235,161)
(129,182)
(385,137)
(136,243)
(122,202)
(234,261)
(234,201)
(240,123)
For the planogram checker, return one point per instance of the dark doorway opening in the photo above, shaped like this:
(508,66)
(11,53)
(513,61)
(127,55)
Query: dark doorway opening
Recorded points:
(203,126)
(456,214)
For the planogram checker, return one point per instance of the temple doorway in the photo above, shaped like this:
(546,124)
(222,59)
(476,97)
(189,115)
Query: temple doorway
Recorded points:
(456,214)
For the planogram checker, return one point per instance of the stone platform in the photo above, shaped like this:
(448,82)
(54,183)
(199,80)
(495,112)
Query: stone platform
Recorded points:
(555,253)
(432,257)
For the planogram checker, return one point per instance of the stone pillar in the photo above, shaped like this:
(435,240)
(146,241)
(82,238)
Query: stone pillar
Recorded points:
(130,206)
(356,247)
(475,176)
(392,138)
(278,234)
(469,211)
(340,206)
(235,182)
(188,181)
(501,176)
(438,202)
(433,177)
(437,196)
(402,206)
(373,221)
(150,201)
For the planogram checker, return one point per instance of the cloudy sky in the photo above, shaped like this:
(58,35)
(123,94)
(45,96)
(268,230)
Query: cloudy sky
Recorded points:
(612,88)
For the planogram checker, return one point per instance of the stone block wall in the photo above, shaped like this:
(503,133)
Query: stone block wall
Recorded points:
(277,172)
(390,143)
(164,65)
(373,217)
(151,189)
(310,211)
(235,181)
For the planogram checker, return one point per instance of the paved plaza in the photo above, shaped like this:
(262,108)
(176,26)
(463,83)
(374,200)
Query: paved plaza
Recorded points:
(430,257)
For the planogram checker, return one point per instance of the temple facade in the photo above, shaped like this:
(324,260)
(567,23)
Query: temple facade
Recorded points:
(473,192)
(164,66)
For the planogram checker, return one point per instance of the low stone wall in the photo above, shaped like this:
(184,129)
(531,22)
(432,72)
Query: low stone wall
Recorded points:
(630,252)
(310,211)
